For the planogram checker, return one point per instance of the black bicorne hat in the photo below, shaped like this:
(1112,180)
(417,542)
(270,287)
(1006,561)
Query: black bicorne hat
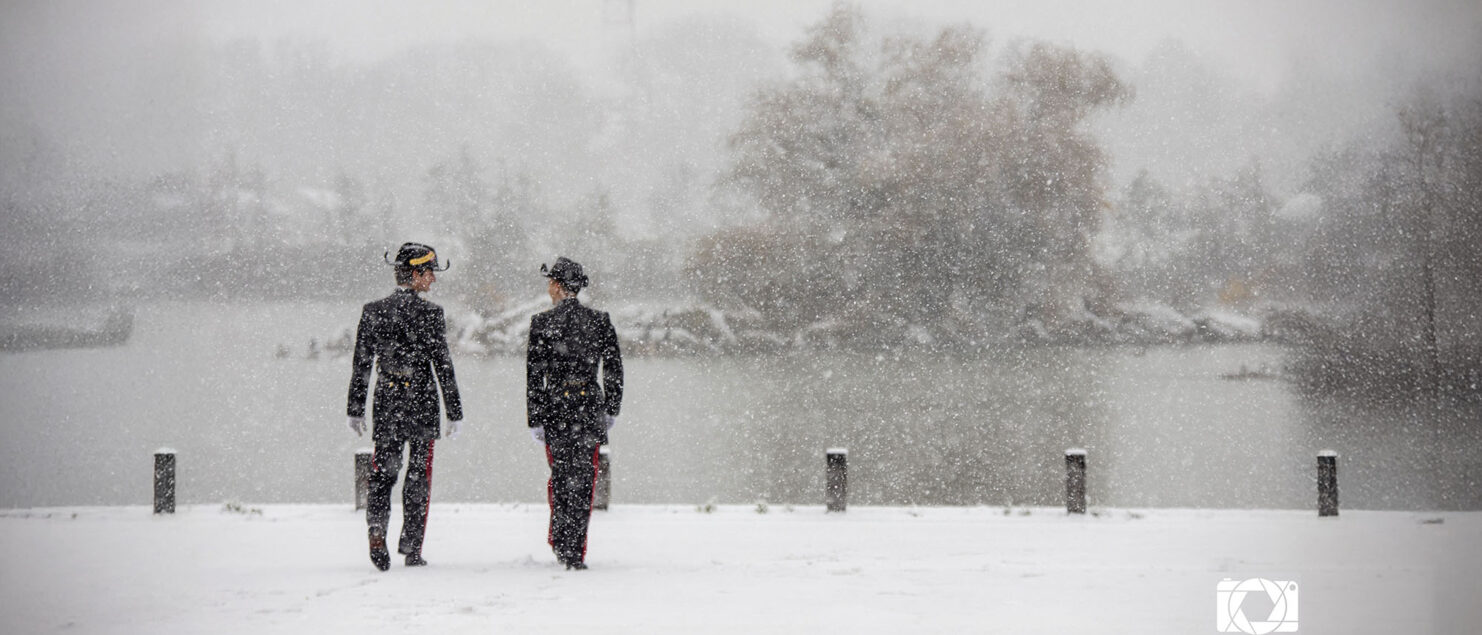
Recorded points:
(417,256)
(567,272)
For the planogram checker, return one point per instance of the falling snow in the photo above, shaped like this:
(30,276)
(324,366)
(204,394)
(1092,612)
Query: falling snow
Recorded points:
(1201,244)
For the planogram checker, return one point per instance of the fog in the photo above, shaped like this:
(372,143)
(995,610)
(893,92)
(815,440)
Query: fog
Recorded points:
(583,97)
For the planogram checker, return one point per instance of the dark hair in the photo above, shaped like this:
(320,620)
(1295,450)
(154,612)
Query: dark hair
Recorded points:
(404,274)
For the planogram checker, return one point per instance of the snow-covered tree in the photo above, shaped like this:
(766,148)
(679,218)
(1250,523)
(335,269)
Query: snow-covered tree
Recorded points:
(904,183)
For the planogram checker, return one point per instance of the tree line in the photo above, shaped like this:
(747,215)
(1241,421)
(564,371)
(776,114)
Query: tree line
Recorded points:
(911,187)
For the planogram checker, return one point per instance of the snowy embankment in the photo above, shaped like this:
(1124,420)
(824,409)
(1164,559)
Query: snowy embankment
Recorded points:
(303,569)
(703,329)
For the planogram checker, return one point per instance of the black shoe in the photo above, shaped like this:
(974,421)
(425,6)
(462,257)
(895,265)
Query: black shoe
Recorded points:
(415,560)
(378,554)
(579,566)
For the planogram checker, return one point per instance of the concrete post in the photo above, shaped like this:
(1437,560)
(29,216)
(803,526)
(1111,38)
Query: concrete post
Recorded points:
(603,490)
(362,477)
(1327,483)
(836,479)
(1075,481)
(164,481)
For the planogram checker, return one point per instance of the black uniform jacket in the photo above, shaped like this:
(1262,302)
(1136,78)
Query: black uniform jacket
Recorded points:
(568,344)
(405,338)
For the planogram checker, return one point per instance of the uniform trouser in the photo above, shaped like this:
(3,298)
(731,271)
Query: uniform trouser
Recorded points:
(416,494)
(569,491)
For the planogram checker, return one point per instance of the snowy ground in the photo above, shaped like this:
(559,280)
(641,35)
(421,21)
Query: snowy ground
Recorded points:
(732,570)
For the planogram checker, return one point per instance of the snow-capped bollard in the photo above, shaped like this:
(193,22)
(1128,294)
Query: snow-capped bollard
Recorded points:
(362,477)
(1075,481)
(1327,483)
(836,479)
(602,493)
(164,481)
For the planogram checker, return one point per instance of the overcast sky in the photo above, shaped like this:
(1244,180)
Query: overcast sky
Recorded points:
(61,60)
(1256,39)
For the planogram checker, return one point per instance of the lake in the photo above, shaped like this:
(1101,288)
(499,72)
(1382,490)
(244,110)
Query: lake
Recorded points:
(1163,426)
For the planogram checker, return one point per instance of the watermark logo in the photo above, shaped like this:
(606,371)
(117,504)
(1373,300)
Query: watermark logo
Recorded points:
(1230,606)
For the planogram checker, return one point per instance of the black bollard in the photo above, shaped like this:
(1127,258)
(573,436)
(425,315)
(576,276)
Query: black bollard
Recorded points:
(603,491)
(1327,483)
(164,481)
(836,481)
(362,477)
(1075,481)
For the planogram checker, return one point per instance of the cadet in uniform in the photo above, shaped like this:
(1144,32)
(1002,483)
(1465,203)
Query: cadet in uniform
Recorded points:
(569,410)
(404,337)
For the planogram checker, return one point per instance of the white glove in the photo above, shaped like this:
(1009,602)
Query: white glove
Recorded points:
(453,428)
(357,425)
(610,421)
(538,433)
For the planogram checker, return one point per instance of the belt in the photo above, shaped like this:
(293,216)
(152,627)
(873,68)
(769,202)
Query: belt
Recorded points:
(578,386)
(394,377)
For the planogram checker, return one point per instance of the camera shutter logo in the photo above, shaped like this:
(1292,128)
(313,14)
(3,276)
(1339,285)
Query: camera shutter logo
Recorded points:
(1230,614)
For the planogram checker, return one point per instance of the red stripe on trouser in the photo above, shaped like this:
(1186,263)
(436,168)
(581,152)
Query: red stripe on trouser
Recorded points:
(427,498)
(592,495)
(550,497)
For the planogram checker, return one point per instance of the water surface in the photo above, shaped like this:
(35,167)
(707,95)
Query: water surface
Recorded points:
(1164,427)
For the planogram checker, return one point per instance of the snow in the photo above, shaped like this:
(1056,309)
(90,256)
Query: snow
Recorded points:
(1300,207)
(1229,324)
(737,569)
